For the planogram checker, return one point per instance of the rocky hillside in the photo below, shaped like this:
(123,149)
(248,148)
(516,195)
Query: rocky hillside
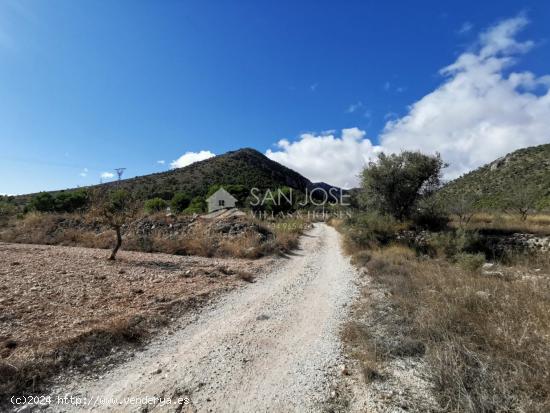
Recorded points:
(244,167)
(523,173)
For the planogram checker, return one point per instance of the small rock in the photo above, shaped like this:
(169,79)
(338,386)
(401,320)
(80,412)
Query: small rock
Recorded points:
(344,370)
(158,371)
(186,274)
(483,294)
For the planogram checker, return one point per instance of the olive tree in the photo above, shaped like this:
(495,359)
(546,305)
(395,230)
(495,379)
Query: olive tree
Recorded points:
(114,209)
(464,207)
(522,201)
(394,183)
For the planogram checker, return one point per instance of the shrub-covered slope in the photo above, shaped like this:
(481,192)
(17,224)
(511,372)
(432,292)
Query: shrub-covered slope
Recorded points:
(246,168)
(520,173)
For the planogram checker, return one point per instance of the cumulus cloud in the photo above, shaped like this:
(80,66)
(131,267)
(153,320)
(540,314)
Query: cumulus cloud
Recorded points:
(482,110)
(107,175)
(161,162)
(337,160)
(190,157)
(84,173)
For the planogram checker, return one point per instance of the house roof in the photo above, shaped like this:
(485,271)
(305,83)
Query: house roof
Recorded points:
(221,193)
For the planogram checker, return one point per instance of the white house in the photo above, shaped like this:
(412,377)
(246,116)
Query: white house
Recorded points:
(220,199)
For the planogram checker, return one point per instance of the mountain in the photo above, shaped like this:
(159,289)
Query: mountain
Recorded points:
(520,173)
(246,167)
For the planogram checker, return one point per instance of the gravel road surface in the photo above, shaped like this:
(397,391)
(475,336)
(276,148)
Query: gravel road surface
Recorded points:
(271,346)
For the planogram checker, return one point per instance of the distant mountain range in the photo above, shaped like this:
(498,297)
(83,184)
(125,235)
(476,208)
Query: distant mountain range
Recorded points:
(490,186)
(246,167)
(525,171)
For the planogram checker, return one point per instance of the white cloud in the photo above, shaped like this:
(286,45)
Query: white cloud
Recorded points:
(107,175)
(481,111)
(84,173)
(354,107)
(190,157)
(465,28)
(327,157)
(161,162)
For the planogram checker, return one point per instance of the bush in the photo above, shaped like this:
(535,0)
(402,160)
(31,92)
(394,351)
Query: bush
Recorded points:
(197,206)
(155,205)
(449,244)
(431,219)
(372,228)
(179,202)
(43,202)
(62,202)
(70,201)
(6,210)
(470,262)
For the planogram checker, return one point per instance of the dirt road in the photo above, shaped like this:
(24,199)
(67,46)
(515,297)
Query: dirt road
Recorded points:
(272,346)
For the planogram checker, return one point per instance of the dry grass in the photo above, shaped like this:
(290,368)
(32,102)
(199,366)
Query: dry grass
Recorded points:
(58,229)
(487,339)
(534,224)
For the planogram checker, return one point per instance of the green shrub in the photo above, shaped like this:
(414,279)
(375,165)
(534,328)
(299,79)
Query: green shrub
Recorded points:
(431,219)
(7,210)
(456,242)
(179,202)
(155,205)
(470,262)
(43,202)
(70,201)
(197,206)
(62,202)
(372,228)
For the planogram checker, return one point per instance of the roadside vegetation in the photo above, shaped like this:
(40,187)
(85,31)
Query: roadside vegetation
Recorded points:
(442,289)
(111,219)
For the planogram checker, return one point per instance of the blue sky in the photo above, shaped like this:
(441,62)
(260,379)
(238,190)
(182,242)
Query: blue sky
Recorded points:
(88,86)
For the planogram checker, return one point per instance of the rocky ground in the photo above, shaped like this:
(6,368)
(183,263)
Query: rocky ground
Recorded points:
(64,301)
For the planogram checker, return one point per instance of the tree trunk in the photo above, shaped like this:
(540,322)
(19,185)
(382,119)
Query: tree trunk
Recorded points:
(117,245)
